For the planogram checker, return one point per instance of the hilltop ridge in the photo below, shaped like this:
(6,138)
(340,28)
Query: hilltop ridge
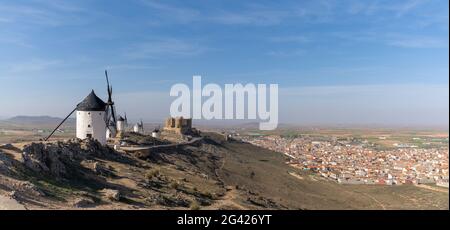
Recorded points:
(217,174)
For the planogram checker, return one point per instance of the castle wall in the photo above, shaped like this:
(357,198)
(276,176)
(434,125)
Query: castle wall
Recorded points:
(178,125)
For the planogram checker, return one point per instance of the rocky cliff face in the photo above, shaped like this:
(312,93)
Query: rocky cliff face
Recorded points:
(56,158)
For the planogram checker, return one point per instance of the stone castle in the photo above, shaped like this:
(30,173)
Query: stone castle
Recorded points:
(179,125)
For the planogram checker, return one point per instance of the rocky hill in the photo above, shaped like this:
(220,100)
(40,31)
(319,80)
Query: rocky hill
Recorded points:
(217,174)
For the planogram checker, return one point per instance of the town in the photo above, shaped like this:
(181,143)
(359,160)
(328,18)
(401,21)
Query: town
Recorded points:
(352,162)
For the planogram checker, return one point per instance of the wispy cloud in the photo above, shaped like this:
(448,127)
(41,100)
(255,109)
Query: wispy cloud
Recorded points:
(16,39)
(404,40)
(42,12)
(406,7)
(131,67)
(164,48)
(290,39)
(417,42)
(28,66)
(286,53)
(399,8)
(173,13)
(246,15)
(259,17)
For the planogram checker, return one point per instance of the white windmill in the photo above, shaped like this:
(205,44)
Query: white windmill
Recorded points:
(156,133)
(91,114)
(139,127)
(120,124)
(93,117)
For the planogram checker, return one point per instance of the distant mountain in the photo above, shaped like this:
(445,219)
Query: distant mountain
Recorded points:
(41,120)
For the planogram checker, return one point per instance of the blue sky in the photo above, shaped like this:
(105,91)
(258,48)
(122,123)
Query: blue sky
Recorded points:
(54,52)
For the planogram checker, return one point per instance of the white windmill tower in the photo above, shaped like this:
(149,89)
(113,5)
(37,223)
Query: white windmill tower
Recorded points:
(93,117)
(91,114)
(120,124)
(139,128)
(156,133)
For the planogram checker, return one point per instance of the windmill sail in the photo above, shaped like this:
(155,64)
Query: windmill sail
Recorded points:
(110,109)
(57,127)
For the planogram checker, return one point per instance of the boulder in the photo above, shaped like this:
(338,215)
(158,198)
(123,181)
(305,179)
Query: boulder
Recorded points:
(111,194)
(13,195)
(83,202)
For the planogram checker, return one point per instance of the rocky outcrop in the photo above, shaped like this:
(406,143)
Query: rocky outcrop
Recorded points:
(5,163)
(169,200)
(111,194)
(55,158)
(83,202)
(46,158)
(29,188)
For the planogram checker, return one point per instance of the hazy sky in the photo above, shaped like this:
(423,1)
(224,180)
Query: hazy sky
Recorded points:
(383,62)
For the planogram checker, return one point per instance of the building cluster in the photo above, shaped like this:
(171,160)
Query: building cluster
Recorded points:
(348,162)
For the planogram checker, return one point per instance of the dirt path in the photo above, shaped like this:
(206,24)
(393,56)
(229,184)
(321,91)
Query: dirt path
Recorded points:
(227,200)
(296,175)
(444,190)
(376,201)
(379,203)
(7,203)
(230,194)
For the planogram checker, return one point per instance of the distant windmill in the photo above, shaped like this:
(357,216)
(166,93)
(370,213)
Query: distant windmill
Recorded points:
(156,132)
(93,116)
(125,120)
(139,127)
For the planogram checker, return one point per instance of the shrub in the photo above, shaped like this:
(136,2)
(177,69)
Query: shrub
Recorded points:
(174,184)
(209,195)
(194,205)
(152,173)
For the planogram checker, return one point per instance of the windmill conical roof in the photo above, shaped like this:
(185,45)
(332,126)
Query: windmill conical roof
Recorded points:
(92,103)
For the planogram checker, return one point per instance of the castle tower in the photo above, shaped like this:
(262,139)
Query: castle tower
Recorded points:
(90,115)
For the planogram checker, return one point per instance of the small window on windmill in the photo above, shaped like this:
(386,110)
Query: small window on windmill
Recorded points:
(89,113)
(89,135)
(89,126)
